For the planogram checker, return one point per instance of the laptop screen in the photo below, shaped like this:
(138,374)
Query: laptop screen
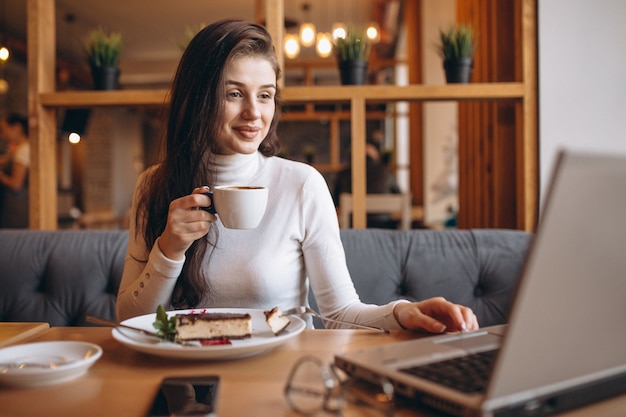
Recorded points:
(566,324)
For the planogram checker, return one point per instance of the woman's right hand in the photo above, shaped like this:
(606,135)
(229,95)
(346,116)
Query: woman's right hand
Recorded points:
(186,223)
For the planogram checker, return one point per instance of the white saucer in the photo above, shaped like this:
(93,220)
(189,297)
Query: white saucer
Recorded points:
(262,338)
(46,363)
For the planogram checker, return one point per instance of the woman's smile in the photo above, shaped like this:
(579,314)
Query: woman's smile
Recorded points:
(248,132)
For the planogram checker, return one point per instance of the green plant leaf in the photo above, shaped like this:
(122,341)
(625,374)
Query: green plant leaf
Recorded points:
(458,41)
(103,49)
(354,47)
(166,327)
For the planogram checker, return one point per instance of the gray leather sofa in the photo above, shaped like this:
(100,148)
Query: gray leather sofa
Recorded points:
(60,277)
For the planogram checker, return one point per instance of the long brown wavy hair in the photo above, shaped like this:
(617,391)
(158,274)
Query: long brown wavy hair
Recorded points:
(194,114)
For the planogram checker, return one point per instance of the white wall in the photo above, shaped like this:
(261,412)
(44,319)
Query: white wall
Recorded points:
(582,78)
(440,120)
(127,159)
(113,159)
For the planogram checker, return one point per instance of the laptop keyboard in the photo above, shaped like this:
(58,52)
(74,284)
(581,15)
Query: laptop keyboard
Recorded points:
(466,373)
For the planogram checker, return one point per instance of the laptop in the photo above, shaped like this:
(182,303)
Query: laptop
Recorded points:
(564,344)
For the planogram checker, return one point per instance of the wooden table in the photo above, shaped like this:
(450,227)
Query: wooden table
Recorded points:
(123,382)
(13,332)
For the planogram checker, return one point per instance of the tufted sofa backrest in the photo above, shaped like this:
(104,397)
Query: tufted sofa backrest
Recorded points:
(62,276)
(477,268)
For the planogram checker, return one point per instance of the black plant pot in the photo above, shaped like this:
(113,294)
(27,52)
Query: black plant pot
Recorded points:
(353,72)
(458,70)
(105,78)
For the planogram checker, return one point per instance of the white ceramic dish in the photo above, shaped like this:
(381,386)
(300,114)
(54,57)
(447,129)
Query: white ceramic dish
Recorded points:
(262,338)
(46,363)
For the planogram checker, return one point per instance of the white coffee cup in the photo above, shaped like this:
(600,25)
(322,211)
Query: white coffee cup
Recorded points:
(238,206)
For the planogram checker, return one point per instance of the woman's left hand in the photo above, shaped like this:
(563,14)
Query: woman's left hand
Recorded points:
(436,315)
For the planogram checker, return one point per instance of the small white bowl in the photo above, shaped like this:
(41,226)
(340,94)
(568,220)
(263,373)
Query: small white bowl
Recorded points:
(46,363)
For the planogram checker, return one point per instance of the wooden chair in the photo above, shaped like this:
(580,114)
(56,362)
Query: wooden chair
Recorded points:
(378,203)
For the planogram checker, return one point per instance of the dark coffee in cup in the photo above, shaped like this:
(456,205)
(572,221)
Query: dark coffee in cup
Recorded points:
(241,187)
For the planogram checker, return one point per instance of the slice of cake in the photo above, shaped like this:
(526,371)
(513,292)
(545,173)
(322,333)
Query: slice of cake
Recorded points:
(276,321)
(213,326)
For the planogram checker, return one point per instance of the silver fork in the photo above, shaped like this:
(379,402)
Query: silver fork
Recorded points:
(109,323)
(306,310)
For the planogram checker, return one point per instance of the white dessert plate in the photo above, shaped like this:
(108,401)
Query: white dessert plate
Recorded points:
(262,338)
(46,363)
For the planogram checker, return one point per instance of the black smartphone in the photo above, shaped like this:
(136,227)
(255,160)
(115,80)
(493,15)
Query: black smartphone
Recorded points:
(186,396)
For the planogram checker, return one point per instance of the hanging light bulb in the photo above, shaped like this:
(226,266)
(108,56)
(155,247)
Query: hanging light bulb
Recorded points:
(4,53)
(307,29)
(373,32)
(324,45)
(292,46)
(73,138)
(307,34)
(339,30)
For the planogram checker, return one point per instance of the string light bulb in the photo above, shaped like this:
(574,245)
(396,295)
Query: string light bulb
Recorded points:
(292,46)
(324,46)
(307,34)
(339,30)
(74,138)
(4,53)
(373,32)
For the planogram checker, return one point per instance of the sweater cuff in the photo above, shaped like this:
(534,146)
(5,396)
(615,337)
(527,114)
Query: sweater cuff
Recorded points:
(164,265)
(390,322)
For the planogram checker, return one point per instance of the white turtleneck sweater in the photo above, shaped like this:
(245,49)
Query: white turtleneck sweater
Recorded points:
(296,243)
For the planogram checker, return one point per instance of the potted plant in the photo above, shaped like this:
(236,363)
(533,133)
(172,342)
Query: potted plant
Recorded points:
(352,53)
(103,53)
(457,46)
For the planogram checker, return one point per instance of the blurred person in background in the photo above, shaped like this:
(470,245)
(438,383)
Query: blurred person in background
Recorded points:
(379,180)
(14,166)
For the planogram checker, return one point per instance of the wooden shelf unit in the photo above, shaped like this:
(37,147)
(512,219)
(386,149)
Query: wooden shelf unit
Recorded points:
(321,94)
(43,102)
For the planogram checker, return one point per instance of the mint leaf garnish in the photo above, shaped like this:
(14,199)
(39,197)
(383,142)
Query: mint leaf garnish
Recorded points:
(166,327)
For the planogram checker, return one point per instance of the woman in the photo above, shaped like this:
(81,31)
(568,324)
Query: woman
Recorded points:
(222,130)
(14,172)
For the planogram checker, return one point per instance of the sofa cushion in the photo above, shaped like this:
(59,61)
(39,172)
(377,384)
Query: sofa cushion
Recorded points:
(60,277)
(477,268)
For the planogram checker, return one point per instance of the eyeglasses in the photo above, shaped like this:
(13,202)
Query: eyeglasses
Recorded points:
(314,387)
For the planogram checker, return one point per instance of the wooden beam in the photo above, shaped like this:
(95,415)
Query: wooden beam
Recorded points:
(413,26)
(528,152)
(42,120)
(275,24)
(359,171)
